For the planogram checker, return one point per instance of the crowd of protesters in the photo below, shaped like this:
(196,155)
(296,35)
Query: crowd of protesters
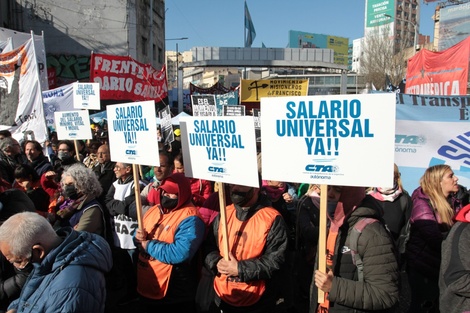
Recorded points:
(71,242)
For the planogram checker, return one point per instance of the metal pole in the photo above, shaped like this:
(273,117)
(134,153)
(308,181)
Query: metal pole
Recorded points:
(179,80)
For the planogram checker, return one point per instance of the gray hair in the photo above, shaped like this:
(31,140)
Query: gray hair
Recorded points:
(85,179)
(23,230)
(7,142)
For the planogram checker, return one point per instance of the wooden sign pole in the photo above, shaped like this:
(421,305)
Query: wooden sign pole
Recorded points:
(322,236)
(223,220)
(138,203)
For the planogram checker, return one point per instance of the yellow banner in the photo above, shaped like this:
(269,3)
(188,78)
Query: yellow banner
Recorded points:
(254,90)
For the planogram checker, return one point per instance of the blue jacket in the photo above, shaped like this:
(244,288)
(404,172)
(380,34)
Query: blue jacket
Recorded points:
(70,278)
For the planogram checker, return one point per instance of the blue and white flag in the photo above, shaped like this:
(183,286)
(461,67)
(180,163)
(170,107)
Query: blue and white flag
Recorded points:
(251,33)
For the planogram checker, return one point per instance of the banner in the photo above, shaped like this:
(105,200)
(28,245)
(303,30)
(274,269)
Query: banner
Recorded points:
(17,39)
(254,90)
(439,73)
(56,100)
(20,93)
(123,78)
(454,25)
(343,140)
(432,130)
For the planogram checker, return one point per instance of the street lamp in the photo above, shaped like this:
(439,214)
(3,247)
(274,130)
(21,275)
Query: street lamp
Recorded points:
(179,75)
(415,40)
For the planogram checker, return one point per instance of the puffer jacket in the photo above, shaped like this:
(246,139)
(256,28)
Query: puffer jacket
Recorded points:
(379,291)
(423,251)
(454,276)
(70,278)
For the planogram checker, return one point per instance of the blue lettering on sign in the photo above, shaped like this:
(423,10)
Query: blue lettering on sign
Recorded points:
(72,134)
(216,169)
(320,168)
(131,152)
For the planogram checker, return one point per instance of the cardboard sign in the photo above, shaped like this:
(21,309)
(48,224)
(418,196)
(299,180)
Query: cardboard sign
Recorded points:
(203,105)
(234,110)
(73,125)
(132,131)
(220,149)
(335,140)
(86,96)
(166,125)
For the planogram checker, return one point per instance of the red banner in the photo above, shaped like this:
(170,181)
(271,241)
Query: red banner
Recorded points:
(123,78)
(439,73)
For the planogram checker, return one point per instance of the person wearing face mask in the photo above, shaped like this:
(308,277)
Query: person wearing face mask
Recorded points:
(69,266)
(247,280)
(81,209)
(173,231)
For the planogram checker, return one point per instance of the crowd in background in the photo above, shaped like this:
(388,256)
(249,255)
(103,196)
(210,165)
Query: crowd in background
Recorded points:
(381,243)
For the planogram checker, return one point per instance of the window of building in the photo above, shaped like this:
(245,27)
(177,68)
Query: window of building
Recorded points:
(144,45)
(160,55)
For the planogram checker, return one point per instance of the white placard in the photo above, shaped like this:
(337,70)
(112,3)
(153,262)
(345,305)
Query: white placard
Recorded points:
(86,96)
(336,139)
(220,149)
(73,125)
(132,131)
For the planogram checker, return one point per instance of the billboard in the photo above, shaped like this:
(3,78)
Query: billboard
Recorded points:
(454,25)
(376,11)
(339,45)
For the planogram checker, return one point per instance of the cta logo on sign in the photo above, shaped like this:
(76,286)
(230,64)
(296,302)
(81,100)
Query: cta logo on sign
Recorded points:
(131,152)
(217,170)
(317,170)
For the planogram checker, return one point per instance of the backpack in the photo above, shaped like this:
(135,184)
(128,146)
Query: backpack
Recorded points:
(354,239)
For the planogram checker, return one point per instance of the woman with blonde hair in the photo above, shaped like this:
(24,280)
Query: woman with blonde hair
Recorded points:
(431,219)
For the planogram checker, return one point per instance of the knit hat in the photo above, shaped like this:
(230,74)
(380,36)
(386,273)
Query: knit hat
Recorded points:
(170,187)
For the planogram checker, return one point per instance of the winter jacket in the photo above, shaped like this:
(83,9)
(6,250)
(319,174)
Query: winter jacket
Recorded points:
(165,270)
(106,177)
(265,267)
(41,165)
(378,291)
(11,281)
(70,278)
(454,277)
(423,251)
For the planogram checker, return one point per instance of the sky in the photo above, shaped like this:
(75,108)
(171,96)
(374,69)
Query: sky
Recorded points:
(220,23)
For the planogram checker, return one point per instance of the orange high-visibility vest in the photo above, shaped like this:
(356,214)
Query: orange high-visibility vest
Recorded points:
(153,276)
(246,240)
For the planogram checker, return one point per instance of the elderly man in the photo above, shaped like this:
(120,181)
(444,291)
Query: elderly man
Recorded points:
(245,279)
(104,170)
(69,266)
(120,200)
(36,157)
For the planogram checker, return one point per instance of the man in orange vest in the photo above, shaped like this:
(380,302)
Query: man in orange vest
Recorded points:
(246,279)
(172,234)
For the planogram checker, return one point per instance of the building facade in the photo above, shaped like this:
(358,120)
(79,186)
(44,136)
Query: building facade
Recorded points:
(74,29)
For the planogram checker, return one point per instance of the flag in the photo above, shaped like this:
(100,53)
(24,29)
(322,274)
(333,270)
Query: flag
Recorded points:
(251,33)
(22,110)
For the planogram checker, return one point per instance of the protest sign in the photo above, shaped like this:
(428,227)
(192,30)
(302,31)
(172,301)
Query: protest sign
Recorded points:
(166,125)
(86,96)
(132,131)
(234,110)
(220,149)
(203,105)
(73,125)
(335,140)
